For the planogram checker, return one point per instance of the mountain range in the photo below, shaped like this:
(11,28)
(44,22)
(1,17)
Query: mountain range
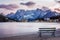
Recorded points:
(30,15)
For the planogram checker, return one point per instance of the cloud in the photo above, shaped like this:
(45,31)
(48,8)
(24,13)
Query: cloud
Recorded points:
(9,7)
(58,1)
(28,3)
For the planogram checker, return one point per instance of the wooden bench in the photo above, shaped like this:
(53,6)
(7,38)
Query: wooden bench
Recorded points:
(47,30)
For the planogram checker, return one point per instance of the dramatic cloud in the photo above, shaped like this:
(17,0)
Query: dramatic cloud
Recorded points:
(58,1)
(28,3)
(57,9)
(9,7)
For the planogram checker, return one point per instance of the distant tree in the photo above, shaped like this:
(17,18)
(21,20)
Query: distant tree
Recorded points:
(2,18)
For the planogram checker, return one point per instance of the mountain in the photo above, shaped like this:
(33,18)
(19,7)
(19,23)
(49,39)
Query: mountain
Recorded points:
(19,14)
(11,15)
(32,15)
(50,14)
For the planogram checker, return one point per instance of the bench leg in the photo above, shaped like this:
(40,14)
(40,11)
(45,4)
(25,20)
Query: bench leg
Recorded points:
(39,34)
(53,34)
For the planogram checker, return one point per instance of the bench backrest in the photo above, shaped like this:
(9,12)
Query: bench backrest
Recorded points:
(47,29)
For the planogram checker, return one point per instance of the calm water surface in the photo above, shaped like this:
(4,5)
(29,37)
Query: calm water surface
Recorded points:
(17,28)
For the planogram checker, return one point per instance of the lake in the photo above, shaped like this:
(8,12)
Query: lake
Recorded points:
(20,28)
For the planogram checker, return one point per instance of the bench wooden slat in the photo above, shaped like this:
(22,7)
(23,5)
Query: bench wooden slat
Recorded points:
(47,29)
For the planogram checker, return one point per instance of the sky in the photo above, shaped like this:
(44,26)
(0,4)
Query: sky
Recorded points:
(12,5)
(41,2)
